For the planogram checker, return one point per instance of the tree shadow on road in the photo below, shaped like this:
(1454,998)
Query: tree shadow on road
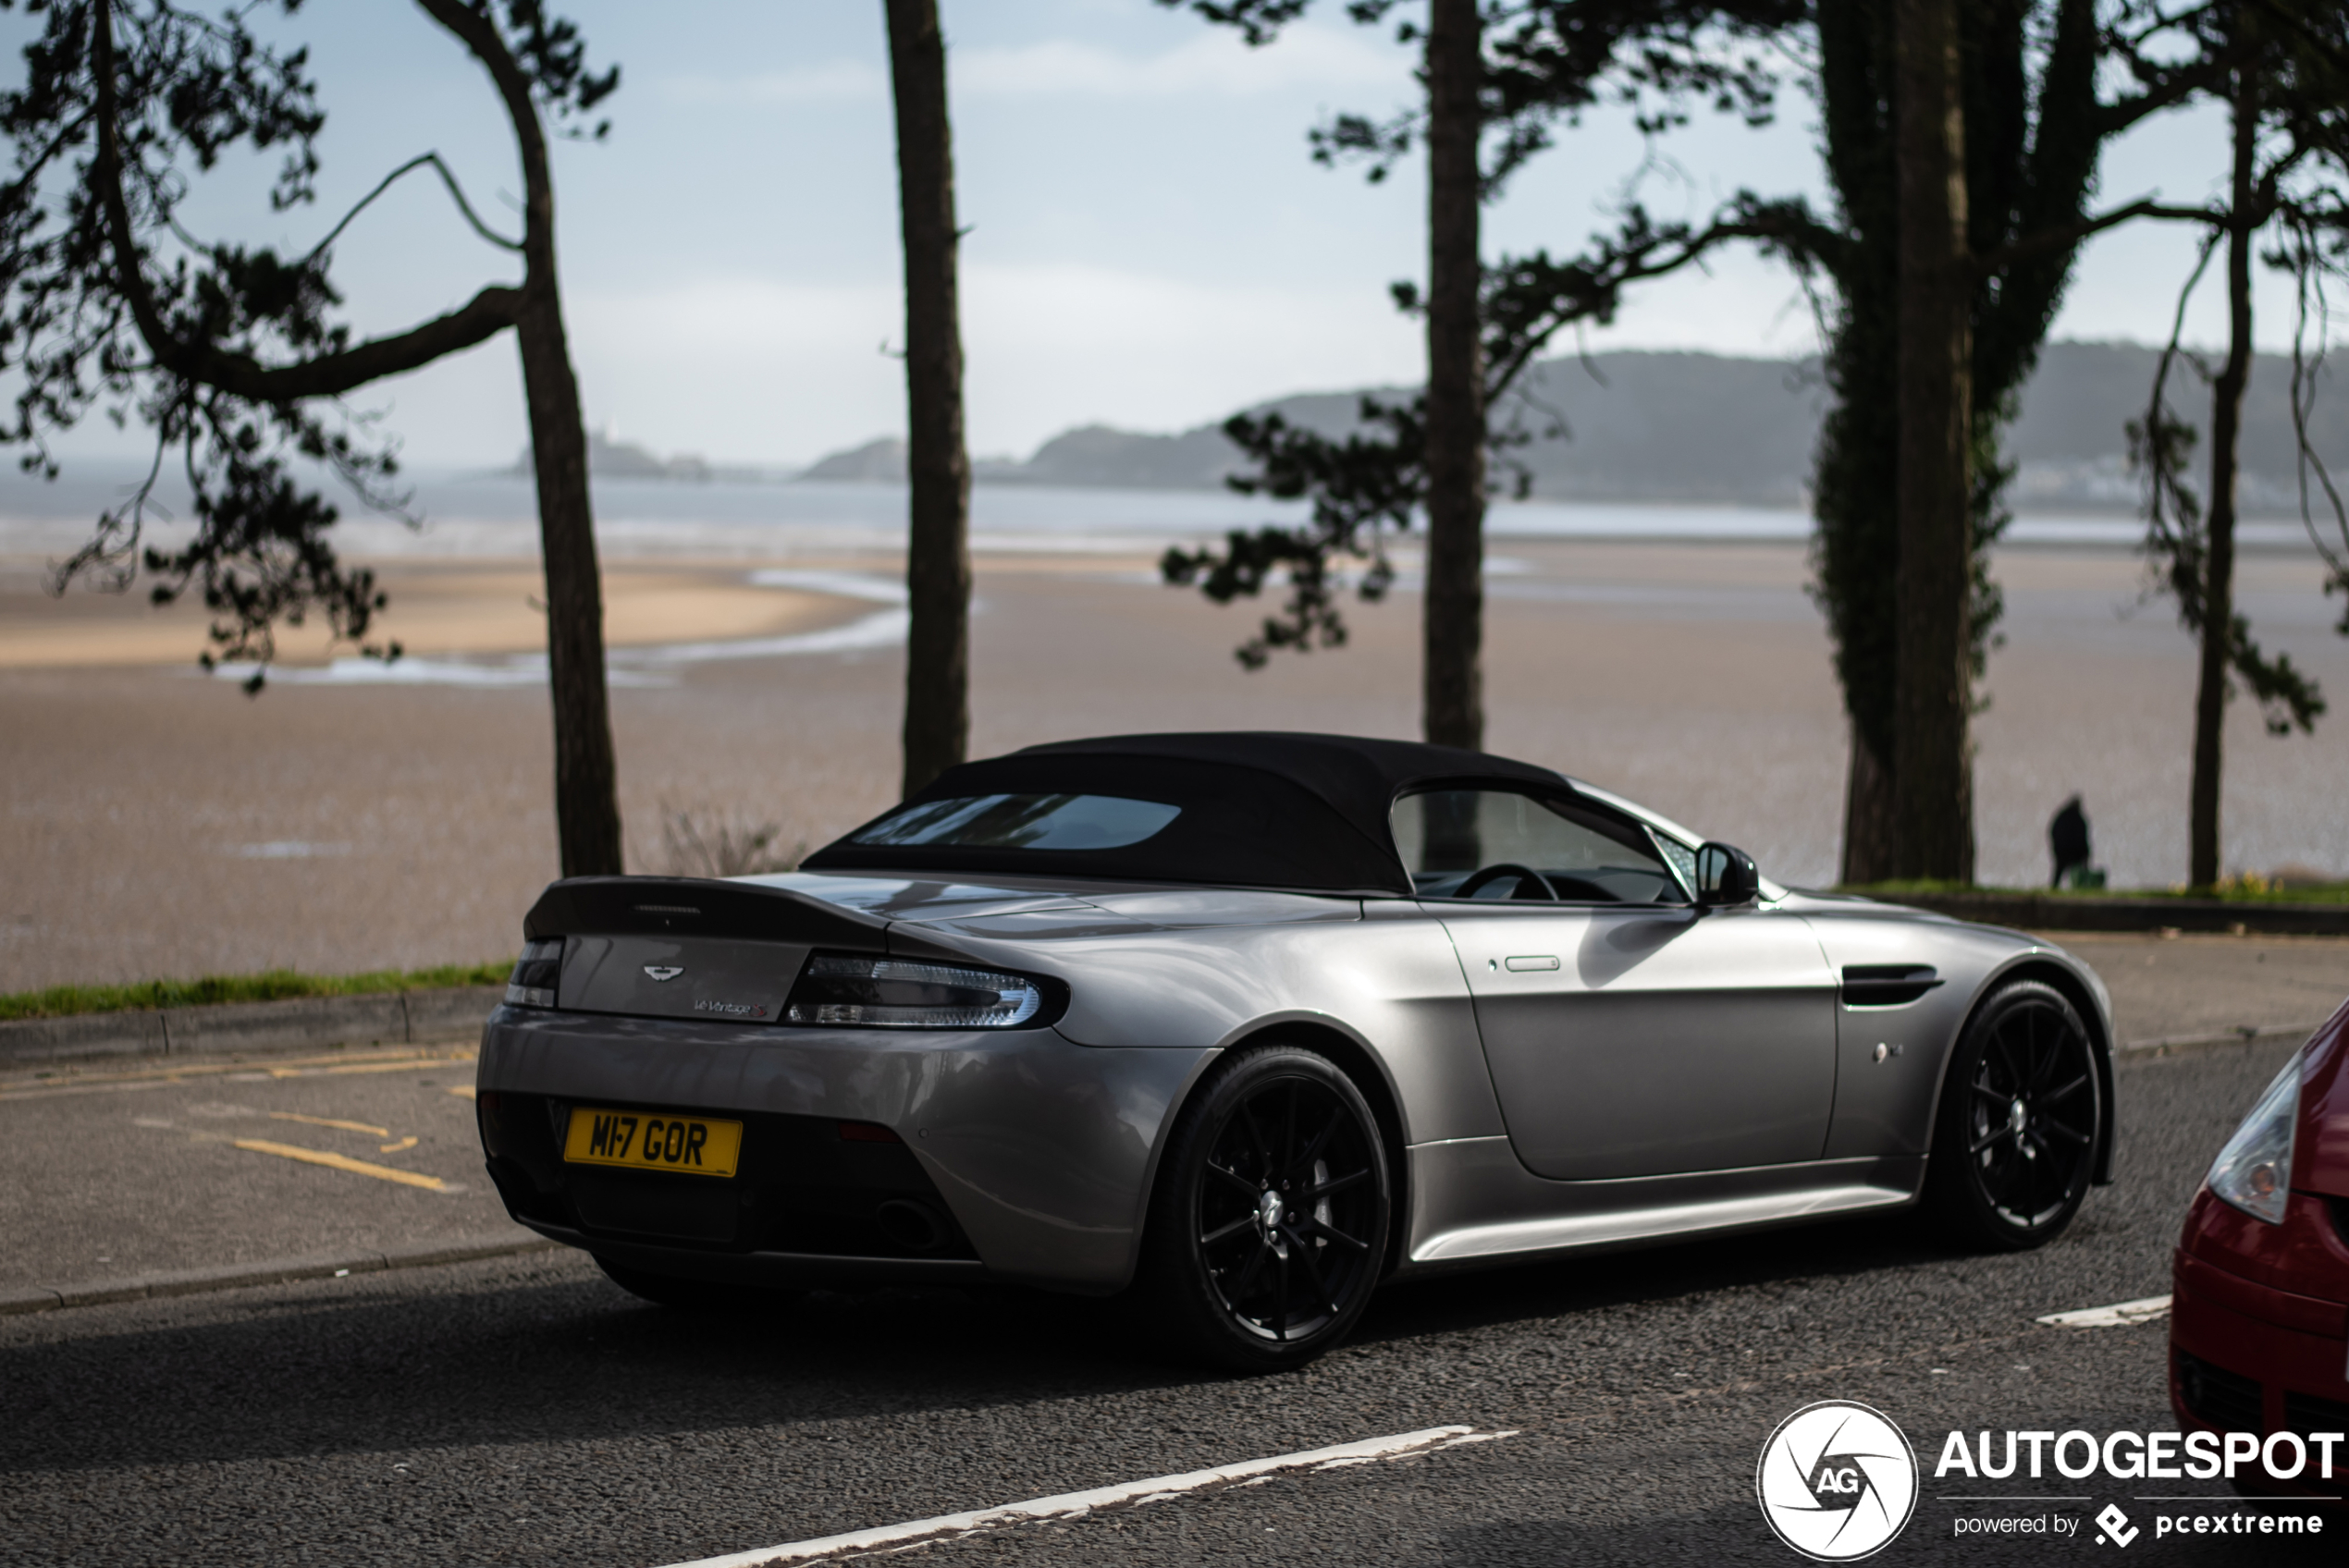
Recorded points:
(548,1350)
(546,1354)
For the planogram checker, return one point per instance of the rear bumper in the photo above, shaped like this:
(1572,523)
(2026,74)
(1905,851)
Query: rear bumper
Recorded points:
(799,1269)
(1039,1150)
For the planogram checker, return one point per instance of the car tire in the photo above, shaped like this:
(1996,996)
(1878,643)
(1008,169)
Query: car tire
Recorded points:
(693,1295)
(1267,1228)
(2023,1111)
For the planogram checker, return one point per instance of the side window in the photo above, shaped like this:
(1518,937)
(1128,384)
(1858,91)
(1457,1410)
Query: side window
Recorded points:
(1450,839)
(1683,858)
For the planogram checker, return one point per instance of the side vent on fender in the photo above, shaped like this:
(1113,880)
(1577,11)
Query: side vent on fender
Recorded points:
(1886,985)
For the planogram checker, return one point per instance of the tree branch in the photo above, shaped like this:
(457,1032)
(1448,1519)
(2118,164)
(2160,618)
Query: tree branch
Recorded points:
(482,317)
(455,191)
(479,34)
(1534,298)
(2332,53)
(2065,236)
(29,172)
(2113,119)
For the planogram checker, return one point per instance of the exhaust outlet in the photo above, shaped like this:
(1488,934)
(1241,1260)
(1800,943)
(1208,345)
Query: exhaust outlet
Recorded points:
(914,1226)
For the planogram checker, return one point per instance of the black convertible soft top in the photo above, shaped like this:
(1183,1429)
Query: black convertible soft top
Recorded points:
(1260,808)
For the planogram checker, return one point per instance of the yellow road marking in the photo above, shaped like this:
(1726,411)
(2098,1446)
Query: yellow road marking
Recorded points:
(364,1067)
(72,1081)
(463,1091)
(342,1162)
(330,1122)
(406,1142)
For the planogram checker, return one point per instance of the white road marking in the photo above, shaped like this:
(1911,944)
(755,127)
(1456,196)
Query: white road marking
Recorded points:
(2110,1317)
(1071,1505)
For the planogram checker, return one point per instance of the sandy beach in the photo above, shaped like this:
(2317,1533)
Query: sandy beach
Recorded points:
(161,822)
(437,609)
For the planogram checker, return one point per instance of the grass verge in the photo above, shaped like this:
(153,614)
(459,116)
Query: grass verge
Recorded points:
(277,984)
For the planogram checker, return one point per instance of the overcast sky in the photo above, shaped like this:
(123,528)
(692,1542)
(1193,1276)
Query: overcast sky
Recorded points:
(1150,244)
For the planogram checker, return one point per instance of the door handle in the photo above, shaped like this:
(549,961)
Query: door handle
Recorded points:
(1532,960)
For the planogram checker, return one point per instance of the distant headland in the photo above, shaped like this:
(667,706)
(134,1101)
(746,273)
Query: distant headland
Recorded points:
(1637,426)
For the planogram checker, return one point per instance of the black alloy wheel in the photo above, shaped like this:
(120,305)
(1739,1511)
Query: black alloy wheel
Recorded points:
(1267,1230)
(2015,1143)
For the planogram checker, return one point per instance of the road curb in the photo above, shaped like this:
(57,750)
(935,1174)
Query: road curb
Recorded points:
(2245,1037)
(2053,911)
(16,1300)
(294,1024)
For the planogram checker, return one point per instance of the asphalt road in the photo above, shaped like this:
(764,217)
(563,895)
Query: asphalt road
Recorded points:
(123,1170)
(525,1411)
(2196,986)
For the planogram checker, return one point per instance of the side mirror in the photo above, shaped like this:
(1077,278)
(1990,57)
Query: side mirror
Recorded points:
(1726,876)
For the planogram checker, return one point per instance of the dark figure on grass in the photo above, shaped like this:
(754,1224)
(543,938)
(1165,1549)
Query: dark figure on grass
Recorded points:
(2068,840)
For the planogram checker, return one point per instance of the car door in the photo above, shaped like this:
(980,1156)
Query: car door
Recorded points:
(1627,1032)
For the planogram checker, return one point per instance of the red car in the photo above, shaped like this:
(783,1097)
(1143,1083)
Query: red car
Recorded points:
(2259,1314)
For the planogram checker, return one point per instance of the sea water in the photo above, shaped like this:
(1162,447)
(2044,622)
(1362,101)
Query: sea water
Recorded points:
(476,515)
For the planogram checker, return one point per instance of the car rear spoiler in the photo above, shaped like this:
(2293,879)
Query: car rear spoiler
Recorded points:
(742,912)
(690,906)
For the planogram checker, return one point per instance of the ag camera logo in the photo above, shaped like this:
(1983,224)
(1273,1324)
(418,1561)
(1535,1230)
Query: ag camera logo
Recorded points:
(1837,1481)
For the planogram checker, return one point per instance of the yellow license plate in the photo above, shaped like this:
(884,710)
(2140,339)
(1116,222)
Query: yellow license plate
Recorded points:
(650,1140)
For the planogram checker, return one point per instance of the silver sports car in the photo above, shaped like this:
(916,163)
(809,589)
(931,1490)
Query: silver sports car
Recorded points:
(1244,1024)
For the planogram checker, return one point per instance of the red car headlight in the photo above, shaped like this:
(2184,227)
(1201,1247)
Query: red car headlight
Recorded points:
(2253,1172)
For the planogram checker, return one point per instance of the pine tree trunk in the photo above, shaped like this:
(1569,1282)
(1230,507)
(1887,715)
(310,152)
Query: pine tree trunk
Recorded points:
(586,780)
(586,791)
(1453,713)
(2226,430)
(937,565)
(1934,819)
(1867,817)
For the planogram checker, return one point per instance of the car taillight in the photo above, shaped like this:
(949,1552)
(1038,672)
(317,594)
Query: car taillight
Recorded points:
(842,990)
(2253,1170)
(536,973)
